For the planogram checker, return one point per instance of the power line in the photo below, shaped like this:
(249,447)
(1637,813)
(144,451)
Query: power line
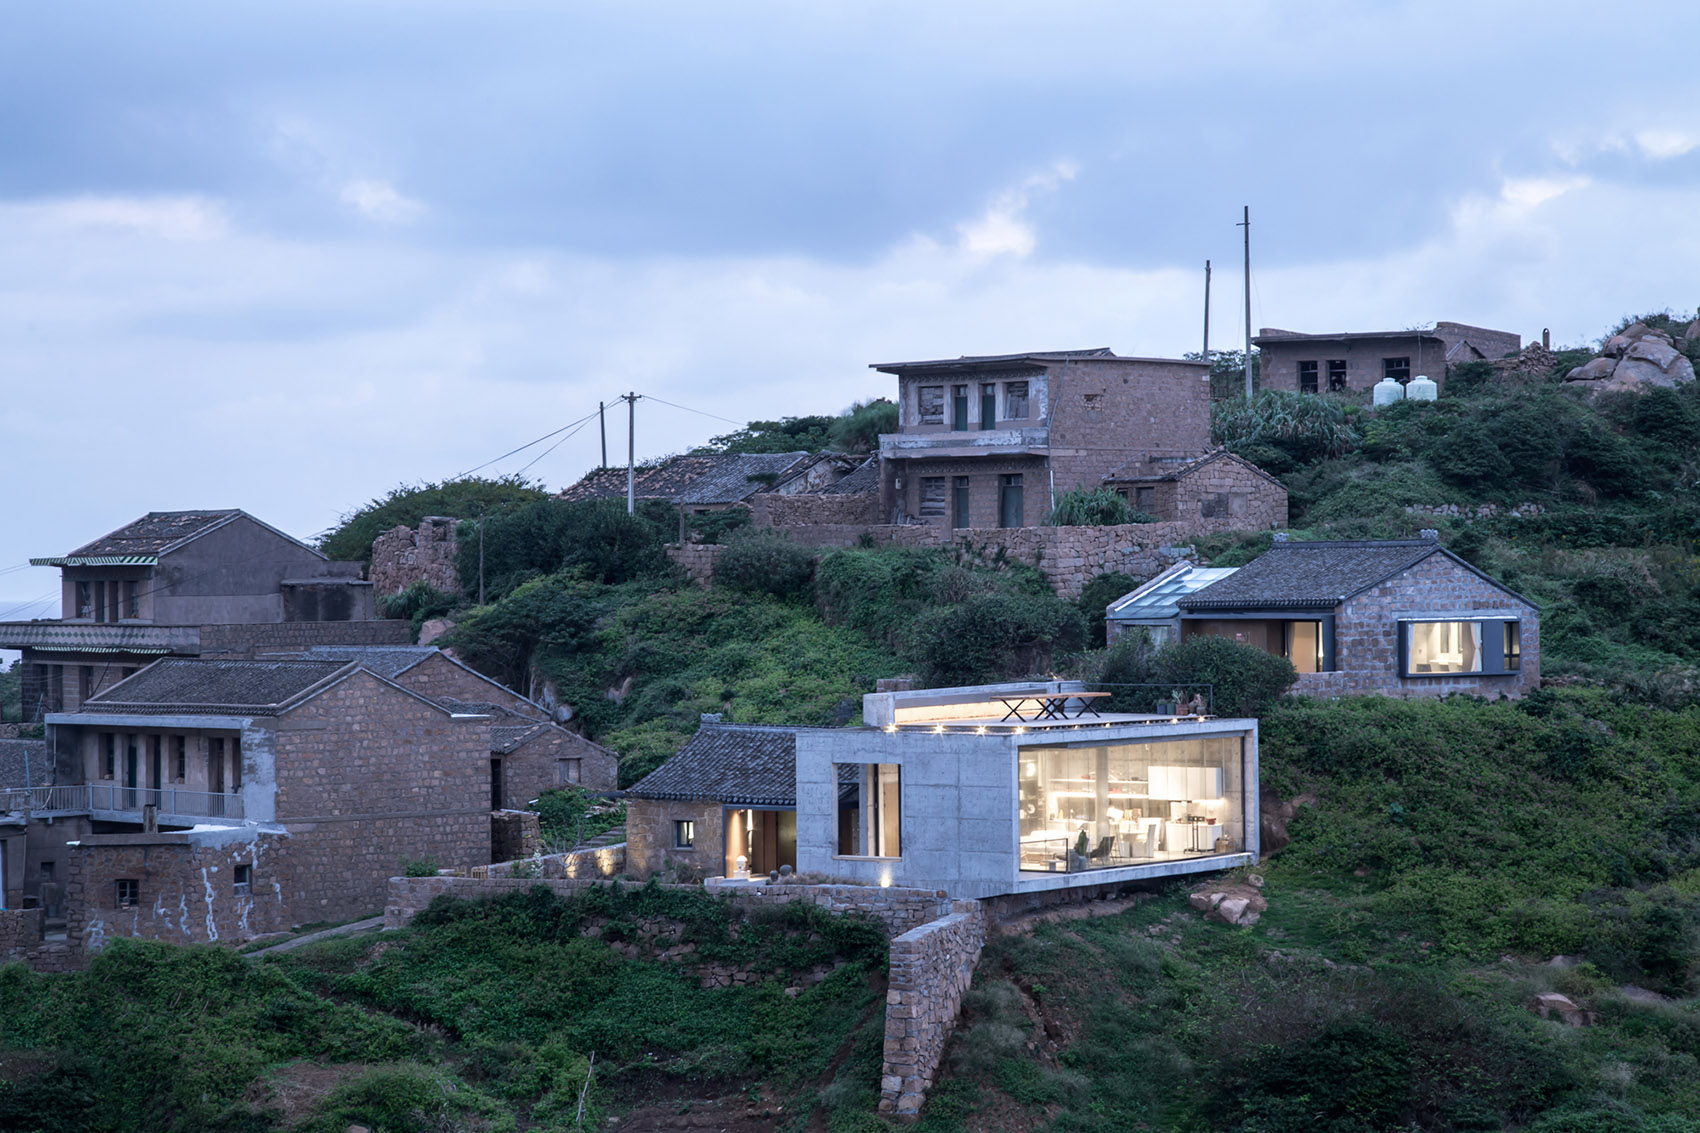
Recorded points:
(557,444)
(526,445)
(699,412)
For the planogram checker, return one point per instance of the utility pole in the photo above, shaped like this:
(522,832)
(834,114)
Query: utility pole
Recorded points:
(602,424)
(631,452)
(480,559)
(1206,355)
(1246,224)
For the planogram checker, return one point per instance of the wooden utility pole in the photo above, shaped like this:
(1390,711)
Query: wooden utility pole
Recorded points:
(602,424)
(1246,224)
(631,452)
(1206,355)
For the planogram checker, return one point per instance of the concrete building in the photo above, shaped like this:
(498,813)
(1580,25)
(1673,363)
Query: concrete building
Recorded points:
(953,790)
(989,441)
(186,583)
(1323,363)
(1404,617)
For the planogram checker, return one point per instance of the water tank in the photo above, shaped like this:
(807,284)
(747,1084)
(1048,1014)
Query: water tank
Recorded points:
(1422,388)
(1387,391)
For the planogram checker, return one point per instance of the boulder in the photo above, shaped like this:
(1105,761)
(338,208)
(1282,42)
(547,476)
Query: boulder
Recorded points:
(1273,816)
(433,628)
(1658,351)
(1552,1005)
(1693,330)
(1597,370)
(1229,903)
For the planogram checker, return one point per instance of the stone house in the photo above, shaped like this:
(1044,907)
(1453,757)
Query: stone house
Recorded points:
(186,583)
(1216,487)
(729,792)
(1404,617)
(950,790)
(991,441)
(1332,363)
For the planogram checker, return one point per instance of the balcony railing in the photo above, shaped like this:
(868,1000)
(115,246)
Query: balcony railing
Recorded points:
(114,798)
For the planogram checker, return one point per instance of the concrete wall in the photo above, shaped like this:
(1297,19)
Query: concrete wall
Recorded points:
(402,556)
(649,836)
(1366,635)
(186,887)
(931,968)
(235,574)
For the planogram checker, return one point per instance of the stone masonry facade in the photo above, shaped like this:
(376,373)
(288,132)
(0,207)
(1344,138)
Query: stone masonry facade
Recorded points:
(1366,635)
(1226,492)
(930,970)
(402,556)
(772,509)
(650,836)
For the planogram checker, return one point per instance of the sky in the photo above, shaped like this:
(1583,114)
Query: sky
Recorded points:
(286,257)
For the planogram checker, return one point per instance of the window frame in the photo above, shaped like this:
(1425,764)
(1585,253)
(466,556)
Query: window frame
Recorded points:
(1337,367)
(1312,373)
(922,416)
(242,879)
(684,833)
(862,833)
(1496,662)
(1015,398)
(1392,367)
(126,893)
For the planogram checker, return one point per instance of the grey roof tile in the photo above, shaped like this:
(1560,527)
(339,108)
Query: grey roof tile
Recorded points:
(738,476)
(16,754)
(156,531)
(386,660)
(1311,575)
(748,764)
(865,478)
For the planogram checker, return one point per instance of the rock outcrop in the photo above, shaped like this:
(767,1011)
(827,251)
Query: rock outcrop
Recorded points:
(1231,903)
(1272,818)
(1561,1008)
(1634,360)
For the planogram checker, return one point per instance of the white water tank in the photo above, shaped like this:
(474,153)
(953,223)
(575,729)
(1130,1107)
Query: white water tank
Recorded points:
(1422,388)
(1386,392)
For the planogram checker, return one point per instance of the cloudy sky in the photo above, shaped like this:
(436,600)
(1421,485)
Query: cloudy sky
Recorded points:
(285,257)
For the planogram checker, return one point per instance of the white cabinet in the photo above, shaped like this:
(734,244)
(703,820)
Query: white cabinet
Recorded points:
(1186,783)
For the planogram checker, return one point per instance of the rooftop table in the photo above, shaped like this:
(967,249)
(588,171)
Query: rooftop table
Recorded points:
(1050,705)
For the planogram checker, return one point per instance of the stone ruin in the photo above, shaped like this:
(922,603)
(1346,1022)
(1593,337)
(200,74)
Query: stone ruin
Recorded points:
(1638,359)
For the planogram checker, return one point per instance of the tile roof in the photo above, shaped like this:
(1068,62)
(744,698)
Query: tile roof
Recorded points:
(736,477)
(748,764)
(87,637)
(865,478)
(1312,575)
(386,660)
(661,482)
(191,686)
(156,531)
(15,754)
(504,738)
(1143,469)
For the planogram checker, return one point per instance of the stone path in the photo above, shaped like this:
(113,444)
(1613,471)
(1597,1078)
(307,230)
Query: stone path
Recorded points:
(370,924)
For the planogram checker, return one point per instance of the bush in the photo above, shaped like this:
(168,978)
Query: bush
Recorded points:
(1095,599)
(1244,680)
(417,602)
(993,637)
(1305,427)
(718,526)
(419,867)
(859,429)
(406,505)
(591,539)
(568,814)
(1093,507)
(766,563)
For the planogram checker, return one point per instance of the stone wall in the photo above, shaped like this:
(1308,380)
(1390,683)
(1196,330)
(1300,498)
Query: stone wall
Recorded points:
(649,836)
(1229,493)
(771,509)
(402,556)
(1069,557)
(931,967)
(186,890)
(20,932)
(898,909)
(554,757)
(592,862)
(514,834)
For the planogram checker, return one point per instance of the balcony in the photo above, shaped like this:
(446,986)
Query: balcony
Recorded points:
(1033,440)
(111,802)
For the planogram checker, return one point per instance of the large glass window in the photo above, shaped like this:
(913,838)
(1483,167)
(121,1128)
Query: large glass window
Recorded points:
(1445,648)
(870,810)
(1100,807)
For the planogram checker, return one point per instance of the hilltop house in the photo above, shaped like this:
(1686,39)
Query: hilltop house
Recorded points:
(973,791)
(1218,488)
(989,441)
(186,583)
(1404,617)
(1331,363)
(204,799)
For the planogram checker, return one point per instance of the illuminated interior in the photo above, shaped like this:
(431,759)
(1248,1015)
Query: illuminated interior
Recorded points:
(1086,807)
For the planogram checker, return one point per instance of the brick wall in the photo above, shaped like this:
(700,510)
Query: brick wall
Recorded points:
(931,967)
(20,933)
(770,509)
(649,836)
(1069,557)
(1366,635)
(440,675)
(402,556)
(368,776)
(537,766)
(186,891)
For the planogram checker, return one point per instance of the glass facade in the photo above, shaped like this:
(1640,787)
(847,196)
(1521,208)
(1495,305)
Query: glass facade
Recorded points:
(1100,807)
(1452,648)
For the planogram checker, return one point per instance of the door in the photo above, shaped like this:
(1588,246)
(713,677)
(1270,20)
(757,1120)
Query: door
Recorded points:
(988,406)
(959,514)
(156,761)
(131,760)
(959,408)
(1010,502)
(495,784)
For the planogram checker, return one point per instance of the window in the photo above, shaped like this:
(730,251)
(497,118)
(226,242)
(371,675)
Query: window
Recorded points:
(87,681)
(108,755)
(1445,648)
(236,763)
(47,871)
(870,810)
(684,834)
(99,601)
(244,885)
(56,688)
(1015,401)
(566,771)
(1145,500)
(1336,375)
(959,513)
(1010,501)
(85,600)
(179,759)
(128,892)
(959,408)
(132,599)
(1399,369)
(930,402)
(1307,377)
(932,496)
(1303,642)
(988,405)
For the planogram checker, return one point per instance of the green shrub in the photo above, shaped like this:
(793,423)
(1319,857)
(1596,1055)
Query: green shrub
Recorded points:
(1304,427)
(406,505)
(417,602)
(591,539)
(766,563)
(419,867)
(859,429)
(993,637)
(568,814)
(718,526)
(1095,599)
(1093,507)
(1238,680)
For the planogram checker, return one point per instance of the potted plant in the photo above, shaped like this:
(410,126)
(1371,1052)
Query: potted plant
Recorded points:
(1082,846)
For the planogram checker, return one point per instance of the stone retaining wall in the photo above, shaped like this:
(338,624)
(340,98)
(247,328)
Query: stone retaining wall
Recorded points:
(898,909)
(596,862)
(771,509)
(931,968)
(1069,557)
(20,932)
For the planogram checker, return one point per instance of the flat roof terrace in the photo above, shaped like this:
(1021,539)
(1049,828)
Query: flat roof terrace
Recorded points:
(1015,708)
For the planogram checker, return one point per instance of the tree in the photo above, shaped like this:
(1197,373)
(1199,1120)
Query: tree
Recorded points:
(406,505)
